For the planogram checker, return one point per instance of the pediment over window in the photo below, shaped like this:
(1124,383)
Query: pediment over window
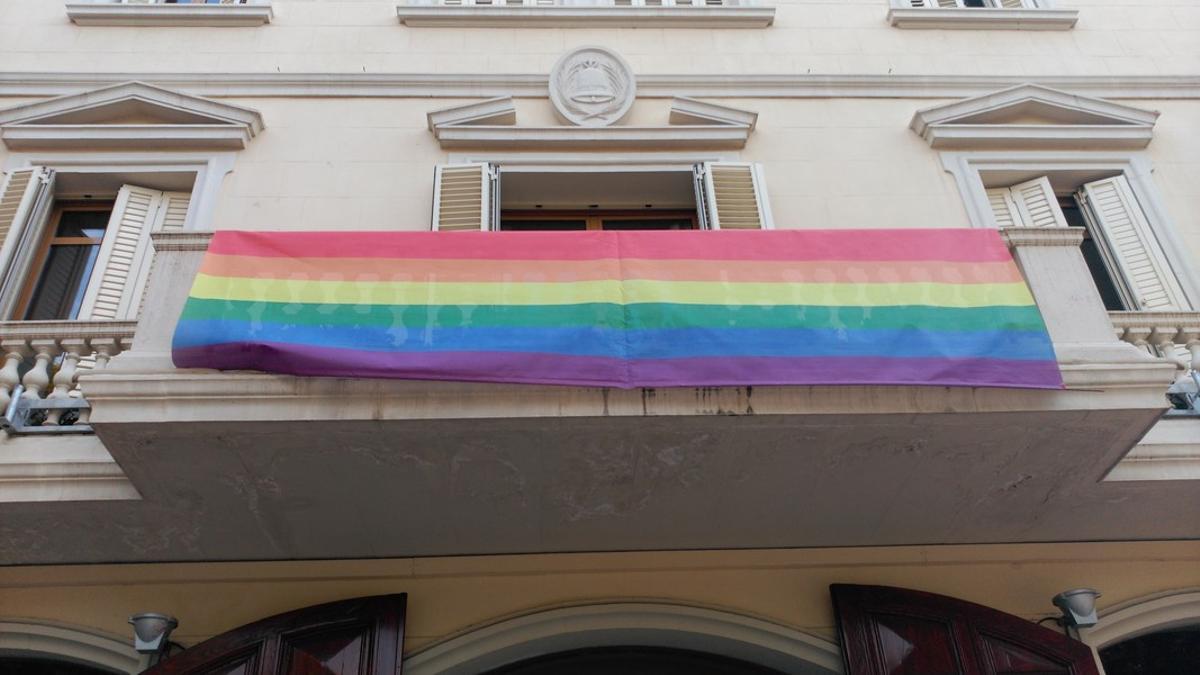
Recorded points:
(1034,116)
(493,123)
(128,115)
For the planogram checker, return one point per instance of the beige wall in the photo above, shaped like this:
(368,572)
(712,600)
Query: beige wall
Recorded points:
(450,595)
(819,36)
(330,163)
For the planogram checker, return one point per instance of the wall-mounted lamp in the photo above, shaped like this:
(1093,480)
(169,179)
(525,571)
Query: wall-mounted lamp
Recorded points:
(1078,607)
(151,631)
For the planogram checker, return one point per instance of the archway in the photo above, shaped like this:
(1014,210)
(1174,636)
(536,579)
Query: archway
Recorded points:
(45,649)
(1150,636)
(675,631)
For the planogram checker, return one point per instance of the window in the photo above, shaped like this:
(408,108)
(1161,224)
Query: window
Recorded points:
(649,219)
(64,262)
(77,246)
(1121,249)
(996,4)
(709,195)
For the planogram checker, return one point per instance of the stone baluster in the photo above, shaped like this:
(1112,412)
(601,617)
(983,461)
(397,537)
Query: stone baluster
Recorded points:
(38,377)
(14,352)
(103,350)
(73,350)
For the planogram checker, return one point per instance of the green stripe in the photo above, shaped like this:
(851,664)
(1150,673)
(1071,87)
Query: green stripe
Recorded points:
(641,316)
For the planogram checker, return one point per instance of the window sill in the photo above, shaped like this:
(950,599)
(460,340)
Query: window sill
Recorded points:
(984,18)
(574,16)
(106,14)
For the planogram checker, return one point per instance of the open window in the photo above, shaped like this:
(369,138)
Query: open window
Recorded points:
(77,245)
(707,195)
(1122,251)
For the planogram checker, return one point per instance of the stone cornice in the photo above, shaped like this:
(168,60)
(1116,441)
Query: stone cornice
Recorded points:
(689,136)
(423,85)
(114,14)
(193,240)
(584,16)
(984,18)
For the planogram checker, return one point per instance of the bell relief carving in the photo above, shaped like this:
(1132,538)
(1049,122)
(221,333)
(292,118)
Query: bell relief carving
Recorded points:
(592,87)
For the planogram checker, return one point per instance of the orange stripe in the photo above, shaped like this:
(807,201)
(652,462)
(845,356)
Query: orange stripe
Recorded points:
(543,271)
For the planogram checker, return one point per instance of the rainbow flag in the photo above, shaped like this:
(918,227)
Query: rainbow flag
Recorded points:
(621,309)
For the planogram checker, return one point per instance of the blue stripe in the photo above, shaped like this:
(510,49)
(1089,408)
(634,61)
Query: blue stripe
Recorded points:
(634,344)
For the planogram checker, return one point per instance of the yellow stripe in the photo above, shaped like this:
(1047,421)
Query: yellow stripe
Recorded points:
(609,291)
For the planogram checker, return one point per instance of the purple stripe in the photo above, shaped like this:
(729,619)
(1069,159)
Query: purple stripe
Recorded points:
(532,368)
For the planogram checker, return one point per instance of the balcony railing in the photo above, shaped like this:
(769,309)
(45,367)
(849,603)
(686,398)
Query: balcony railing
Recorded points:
(1174,336)
(39,390)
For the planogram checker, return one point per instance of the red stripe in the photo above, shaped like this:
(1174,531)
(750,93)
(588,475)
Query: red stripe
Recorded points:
(963,245)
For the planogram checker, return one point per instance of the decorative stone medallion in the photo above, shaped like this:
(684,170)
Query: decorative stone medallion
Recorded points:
(592,87)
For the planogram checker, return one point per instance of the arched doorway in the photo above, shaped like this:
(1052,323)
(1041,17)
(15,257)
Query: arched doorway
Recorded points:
(1158,635)
(28,648)
(633,661)
(622,637)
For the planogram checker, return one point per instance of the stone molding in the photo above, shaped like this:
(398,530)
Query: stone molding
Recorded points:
(1169,451)
(628,623)
(983,18)
(1077,121)
(54,123)
(1042,236)
(1145,615)
(181,240)
(113,14)
(72,643)
(713,85)
(582,16)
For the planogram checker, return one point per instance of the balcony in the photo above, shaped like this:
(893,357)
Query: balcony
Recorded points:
(220,13)
(982,14)
(587,13)
(248,465)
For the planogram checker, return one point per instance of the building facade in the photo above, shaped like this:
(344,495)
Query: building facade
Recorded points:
(536,527)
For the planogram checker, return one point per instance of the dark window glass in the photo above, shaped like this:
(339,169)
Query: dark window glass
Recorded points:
(60,287)
(1170,652)
(633,661)
(532,225)
(89,224)
(649,224)
(1094,258)
(70,257)
(975,3)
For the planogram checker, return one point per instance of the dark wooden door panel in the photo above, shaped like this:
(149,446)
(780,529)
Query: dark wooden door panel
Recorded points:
(363,636)
(895,631)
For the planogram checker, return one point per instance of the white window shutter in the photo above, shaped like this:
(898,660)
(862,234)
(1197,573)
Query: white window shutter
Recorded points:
(464,198)
(735,196)
(172,211)
(113,291)
(1037,204)
(1004,208)
(25,204)
(1131,246)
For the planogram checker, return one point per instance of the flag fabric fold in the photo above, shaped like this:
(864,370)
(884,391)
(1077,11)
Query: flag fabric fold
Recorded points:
(943,307)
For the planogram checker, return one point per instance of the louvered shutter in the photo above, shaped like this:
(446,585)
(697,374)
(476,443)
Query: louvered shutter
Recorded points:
(1131,246)
(113,291)
(25,204)
(1004,208)
(735,196)
(1037,204)
(172,211)
(464,198)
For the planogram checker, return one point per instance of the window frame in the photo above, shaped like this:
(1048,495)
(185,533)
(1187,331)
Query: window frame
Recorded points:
(48,239)
(967,168)
(594,218)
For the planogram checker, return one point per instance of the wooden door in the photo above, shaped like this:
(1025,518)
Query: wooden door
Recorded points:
(363,636)
(894,631)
